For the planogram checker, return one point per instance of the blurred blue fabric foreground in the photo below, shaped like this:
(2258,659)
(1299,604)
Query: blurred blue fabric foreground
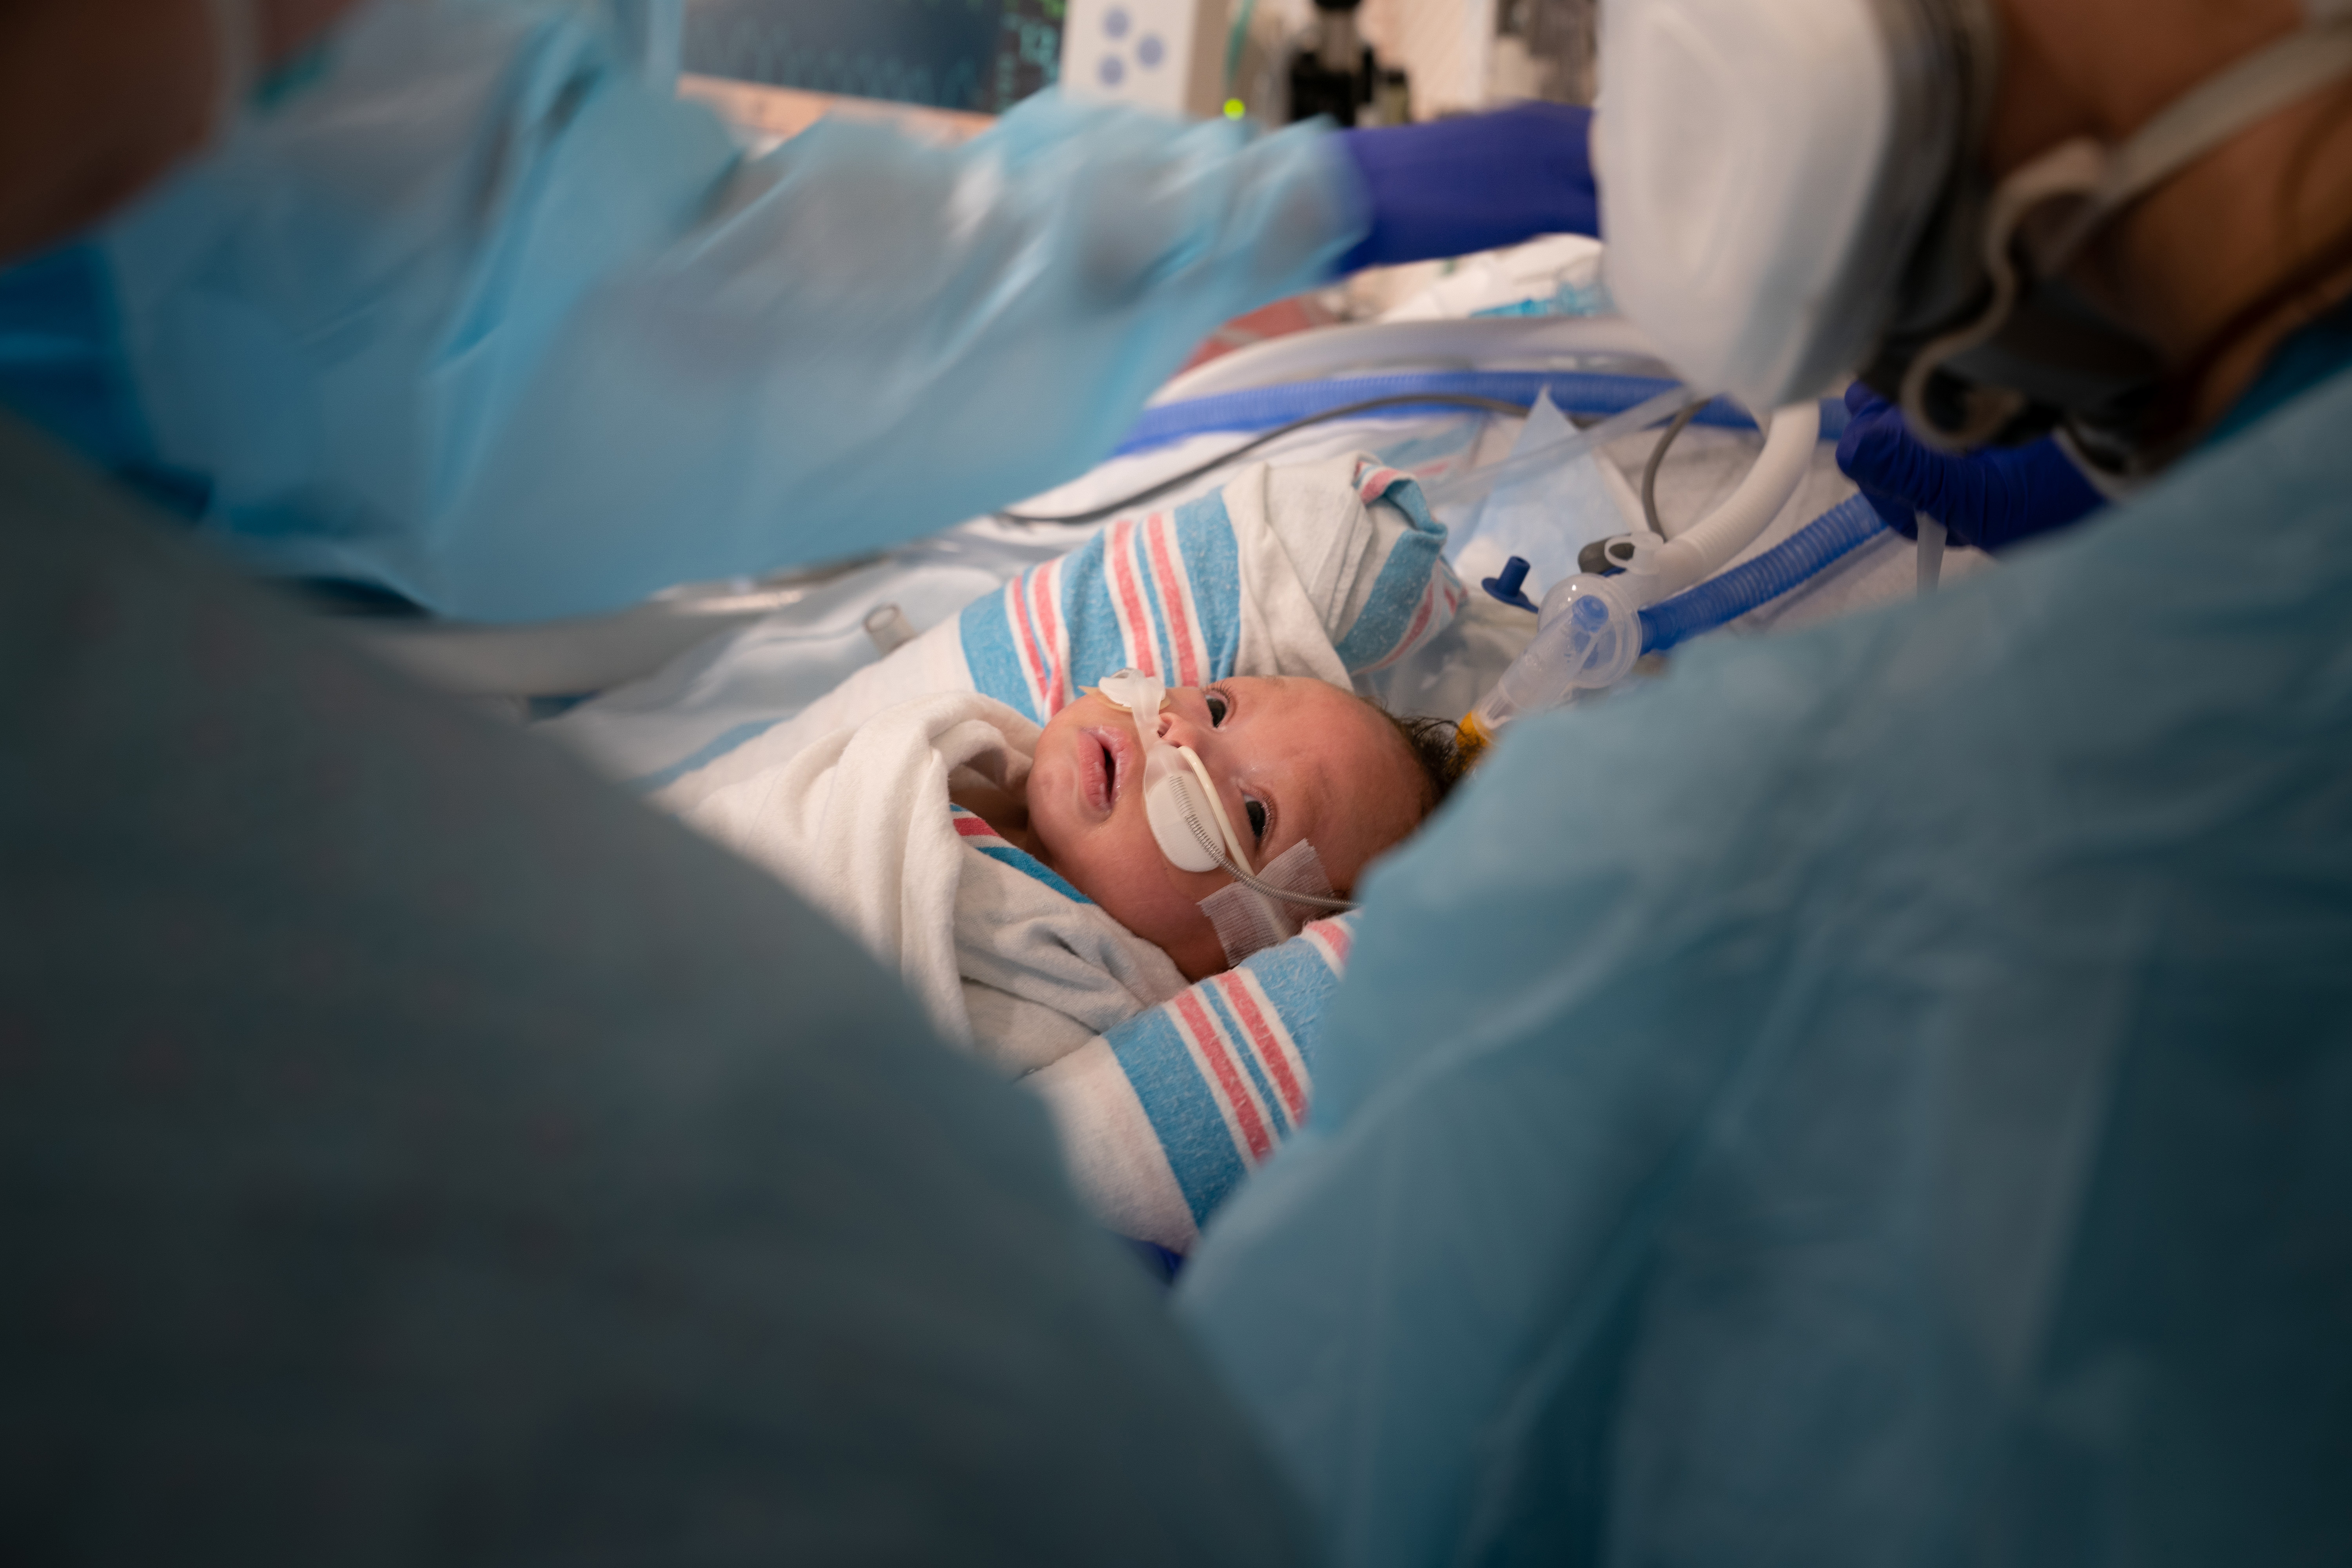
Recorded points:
(470,309)
(1879,1095)
(412,1150)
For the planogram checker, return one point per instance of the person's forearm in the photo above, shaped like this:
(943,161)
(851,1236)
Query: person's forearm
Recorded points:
(484,319)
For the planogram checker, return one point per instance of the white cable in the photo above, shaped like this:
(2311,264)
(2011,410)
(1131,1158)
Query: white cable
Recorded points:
(1246,878)
(1931,553)
(1706,547)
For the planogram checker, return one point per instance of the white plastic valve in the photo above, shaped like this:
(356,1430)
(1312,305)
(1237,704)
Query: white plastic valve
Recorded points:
(1587,637)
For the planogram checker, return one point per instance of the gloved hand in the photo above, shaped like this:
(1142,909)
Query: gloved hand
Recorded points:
(1987,499)
(1472,183)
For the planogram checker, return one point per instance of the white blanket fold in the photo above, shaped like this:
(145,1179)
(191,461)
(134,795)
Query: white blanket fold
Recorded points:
(859,822)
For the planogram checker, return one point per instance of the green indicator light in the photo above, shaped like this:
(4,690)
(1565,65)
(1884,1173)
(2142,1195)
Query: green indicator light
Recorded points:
(1236,108)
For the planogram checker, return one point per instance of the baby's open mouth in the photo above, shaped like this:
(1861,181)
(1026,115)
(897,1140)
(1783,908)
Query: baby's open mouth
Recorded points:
(1102,776)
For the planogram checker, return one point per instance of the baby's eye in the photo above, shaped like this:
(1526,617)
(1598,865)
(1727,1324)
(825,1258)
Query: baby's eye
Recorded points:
(1216,709)
(1257,809)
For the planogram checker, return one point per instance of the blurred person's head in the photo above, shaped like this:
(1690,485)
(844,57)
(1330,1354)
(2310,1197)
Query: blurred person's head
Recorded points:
(2000,214)
(2249,241)
(99,97)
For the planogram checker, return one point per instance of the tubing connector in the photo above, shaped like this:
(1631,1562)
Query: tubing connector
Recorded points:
(1588,635)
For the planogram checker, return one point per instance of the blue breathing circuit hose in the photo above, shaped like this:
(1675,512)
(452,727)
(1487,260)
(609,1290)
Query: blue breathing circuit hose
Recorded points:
(1727,595)
(1668,624)
(1574,391)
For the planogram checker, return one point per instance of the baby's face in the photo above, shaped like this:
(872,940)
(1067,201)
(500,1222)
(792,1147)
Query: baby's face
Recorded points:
(1293,758)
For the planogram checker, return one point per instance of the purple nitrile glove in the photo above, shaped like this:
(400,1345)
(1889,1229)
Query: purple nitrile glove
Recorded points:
(1472,183)
(1987,499)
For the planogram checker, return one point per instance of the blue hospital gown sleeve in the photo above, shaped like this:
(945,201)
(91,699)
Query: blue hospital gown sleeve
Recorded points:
(1881,1094)
(477,314)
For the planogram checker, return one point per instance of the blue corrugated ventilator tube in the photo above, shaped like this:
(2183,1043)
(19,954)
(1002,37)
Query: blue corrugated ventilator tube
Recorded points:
(1729,595)
(1593,629)
(1590,639)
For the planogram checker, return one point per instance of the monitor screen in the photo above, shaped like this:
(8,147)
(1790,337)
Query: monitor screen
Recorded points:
(982,56)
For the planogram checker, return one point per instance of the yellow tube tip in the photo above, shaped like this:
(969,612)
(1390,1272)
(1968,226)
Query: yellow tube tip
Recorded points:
(1470,738)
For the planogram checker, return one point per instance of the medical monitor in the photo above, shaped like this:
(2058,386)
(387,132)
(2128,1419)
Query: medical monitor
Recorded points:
(972,55)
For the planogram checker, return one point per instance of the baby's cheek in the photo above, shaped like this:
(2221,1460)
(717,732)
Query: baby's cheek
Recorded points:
(1142,897)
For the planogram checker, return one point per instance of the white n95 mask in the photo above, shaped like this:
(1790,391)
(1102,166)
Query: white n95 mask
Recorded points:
(1190,824)
(1793,190)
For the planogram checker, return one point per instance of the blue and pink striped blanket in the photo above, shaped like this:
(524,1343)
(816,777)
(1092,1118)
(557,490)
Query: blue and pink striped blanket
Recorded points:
(1331,569)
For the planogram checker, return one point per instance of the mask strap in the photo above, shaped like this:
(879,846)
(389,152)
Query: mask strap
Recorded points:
(2105,181)
(2208,115)
(2072,169)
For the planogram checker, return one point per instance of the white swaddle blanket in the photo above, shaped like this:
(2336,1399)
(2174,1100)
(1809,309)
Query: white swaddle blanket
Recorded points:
(1165,1095)
(1003,954)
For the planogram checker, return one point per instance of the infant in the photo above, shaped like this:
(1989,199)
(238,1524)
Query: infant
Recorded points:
(1294,759)
(1036,866)
(1011,873)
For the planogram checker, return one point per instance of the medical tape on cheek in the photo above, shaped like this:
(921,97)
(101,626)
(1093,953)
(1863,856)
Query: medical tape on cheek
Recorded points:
(1259,908)
(1247,921)
(1256,911)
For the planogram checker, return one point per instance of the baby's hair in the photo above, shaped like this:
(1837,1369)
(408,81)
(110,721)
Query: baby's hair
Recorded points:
(1436,751)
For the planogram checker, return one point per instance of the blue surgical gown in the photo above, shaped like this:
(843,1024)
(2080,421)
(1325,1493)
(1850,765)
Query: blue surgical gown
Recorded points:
(1877,1095)
(412,1151)
(468,309)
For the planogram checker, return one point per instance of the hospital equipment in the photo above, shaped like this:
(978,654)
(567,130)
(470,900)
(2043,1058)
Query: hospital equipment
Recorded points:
(1355,408)
(1590,630)
(1590,627)
(1209,419)
(1166,55)
(1878,1065)
(960,60)
(1987,499)
(1333,71)
(1790,191)
(1588,636)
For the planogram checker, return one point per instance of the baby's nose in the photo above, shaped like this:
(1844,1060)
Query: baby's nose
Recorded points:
(1181,725)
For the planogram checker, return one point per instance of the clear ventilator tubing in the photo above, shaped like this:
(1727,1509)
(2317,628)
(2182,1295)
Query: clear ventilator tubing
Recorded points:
(1579,642)
(1466,486)
(1587,639)
(1480,340)
(1706,547)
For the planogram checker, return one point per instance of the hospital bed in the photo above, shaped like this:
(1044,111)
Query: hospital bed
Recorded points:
(640,692)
